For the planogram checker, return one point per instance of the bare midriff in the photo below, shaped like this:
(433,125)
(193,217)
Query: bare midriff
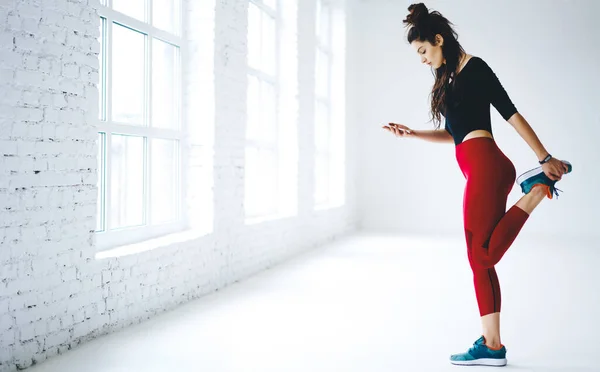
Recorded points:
(477,133)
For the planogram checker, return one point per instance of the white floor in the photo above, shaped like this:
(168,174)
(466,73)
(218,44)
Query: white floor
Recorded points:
(370,303)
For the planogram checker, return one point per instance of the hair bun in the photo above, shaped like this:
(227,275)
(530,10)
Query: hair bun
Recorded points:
(418,14)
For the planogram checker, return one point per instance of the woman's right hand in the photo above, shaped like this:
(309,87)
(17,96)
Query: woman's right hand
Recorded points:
(399,130)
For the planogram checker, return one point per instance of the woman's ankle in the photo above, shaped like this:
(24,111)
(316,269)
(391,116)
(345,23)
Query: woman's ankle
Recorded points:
(492,342)
(542,189)
(497,346)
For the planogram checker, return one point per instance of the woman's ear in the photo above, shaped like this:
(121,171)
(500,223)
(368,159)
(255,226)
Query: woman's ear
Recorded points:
(439,40)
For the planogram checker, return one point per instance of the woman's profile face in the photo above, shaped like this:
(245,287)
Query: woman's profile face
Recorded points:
(430,54)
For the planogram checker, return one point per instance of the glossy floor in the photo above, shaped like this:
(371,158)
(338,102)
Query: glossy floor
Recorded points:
(370,303)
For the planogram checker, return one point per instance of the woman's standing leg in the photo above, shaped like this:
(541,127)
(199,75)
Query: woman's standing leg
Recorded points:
(484,206)
(487,286)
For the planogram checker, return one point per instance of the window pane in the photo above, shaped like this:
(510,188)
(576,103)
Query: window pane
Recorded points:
(165,15)
(128,71)
(261,110)
(164,180)
(269,187)
(253,108)
(165,85)
(101,166)
(254,16)
(102,83)
(260,182)
(252,202)
(133,8)
(321,127)
(321,179)
(268,106)
(127,183)
(269,40)
(323,13)
(322,74)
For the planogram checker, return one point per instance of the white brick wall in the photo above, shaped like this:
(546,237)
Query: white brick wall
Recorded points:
(54,293)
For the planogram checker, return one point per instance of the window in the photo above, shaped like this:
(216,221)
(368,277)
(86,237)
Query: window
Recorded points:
(330,70)
(323,132)
(262,133)
(141,134)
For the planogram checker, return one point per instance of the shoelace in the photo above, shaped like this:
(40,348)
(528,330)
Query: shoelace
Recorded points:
(555,191)
(474,347)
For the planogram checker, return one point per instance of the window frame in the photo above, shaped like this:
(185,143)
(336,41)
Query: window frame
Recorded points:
(327,49)
(264,145)
(109,238)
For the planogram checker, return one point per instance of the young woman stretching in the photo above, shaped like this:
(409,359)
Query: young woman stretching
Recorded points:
(464,88)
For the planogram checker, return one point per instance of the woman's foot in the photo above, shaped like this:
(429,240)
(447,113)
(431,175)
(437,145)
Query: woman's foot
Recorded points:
(481,355)
(537,177)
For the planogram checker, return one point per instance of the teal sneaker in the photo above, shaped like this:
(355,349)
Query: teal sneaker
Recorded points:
(480,355)
(537,176)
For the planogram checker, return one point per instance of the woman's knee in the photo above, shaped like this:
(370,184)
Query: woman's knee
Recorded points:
(481,263)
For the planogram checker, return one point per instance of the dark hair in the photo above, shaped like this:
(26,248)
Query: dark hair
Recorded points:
(424,27)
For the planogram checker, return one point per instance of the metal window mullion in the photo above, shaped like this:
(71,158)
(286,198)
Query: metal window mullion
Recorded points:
(122,18)
(148,124)
(181,160)
(148,93)
(108,48)
(278,55)
(183,143)
(329,50)
(101,177)
(108,179)
(260,44)
(330,57)
(149,14)
(167,37)
(102,71)
(140,26)
(109,116)
(140,131)
(147,179)
(102,117)
(171,38)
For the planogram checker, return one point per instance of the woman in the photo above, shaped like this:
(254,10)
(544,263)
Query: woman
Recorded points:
(464,88)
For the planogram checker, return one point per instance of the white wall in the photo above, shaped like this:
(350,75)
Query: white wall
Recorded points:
(544,52)
(54,292)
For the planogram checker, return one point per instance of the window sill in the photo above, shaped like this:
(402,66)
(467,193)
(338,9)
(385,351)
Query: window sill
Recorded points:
(151,244)
(267,218)
(327,206)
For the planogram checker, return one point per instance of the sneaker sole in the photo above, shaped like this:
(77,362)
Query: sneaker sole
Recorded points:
(481,362)
(528,174)
(532,172)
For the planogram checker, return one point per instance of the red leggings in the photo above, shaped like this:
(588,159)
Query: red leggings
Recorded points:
(489,228)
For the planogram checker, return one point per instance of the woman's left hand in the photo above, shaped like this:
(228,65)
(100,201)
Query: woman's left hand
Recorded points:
(554,169)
